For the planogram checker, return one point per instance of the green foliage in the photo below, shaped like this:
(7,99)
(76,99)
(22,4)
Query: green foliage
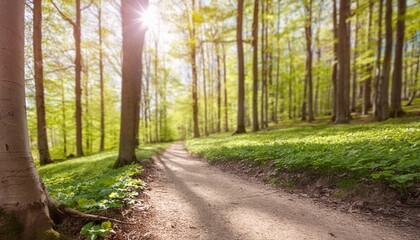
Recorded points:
(91,184)
(388,151)
(93,231)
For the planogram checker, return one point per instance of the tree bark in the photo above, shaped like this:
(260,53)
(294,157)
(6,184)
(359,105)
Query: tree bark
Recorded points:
(396,109)
(219,88)
(225,90)
(101,79)
(44,154)
(383,111)
(78,89)
(203,66)
(367,84)
(378,61)
(309,56)
(240,128)
(355,55)
(255,124)
(335,63)
(133,33)
(343,81)
(23,202)
(194,73)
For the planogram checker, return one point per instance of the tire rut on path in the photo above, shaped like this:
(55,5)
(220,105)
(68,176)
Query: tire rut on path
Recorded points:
(192,200)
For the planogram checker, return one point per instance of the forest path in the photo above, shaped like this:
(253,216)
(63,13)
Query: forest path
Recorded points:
(192,200)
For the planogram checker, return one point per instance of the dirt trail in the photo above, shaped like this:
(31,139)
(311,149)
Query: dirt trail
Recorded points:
(192,200)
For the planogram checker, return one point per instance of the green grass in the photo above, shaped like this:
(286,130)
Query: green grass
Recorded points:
(91,184)
(387,151)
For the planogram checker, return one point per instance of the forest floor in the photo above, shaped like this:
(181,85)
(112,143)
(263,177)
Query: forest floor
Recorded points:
(190,199)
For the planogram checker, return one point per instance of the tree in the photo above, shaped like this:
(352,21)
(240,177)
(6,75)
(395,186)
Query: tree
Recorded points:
(378,61)
(240,121)
(133,33)
(343,80)
(308,78)
(24,204)
(396,109)
(77,34)
(193,53)
(367,84)
(382,105)
(335,61)
(44,153)
(101,78)
(255,124)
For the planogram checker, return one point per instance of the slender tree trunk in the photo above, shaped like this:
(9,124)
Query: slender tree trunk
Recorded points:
(225,88)
(396,109)
(23,202)
(194,73)
(309,56)
(101,79)
(335,63)
(156,83)
(383,111)
(203,65)
(133,42)
(44,154)
(240,128)
(378,61)
(367,84)
(355,55)
(219,88)
(343,81)
(255,124)
(78,90)
(64,119)
(290,78)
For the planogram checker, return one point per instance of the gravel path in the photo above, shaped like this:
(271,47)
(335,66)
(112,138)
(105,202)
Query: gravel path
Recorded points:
(192,200)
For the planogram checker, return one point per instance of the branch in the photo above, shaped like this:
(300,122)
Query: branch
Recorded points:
(64,16)
(87,6)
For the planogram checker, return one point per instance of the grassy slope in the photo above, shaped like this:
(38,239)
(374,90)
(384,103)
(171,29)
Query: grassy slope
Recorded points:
(91,184)
(387,151)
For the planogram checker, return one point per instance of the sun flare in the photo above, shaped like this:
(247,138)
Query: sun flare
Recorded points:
(150,18)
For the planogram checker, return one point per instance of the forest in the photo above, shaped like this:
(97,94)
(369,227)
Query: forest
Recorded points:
(97,96)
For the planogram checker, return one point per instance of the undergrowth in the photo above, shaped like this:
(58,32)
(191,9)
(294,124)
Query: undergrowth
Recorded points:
(90,184)
(387,151)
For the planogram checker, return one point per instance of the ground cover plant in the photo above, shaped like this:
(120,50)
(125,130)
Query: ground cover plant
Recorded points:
(388,151)
(91,184)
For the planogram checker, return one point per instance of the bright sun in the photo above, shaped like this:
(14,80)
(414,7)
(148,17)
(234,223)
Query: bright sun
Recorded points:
(150,18)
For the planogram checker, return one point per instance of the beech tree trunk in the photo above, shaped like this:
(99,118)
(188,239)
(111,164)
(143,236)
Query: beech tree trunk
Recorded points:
(133,33)
(78,90)
(24,210)
(194,73)
(203,66)
(225,90)
(343,81)
(101,79)
(240,128)
(355,55)
(44,154)
(255,124)
(219,88)
(309,58)
(367,84)
(335,63)
(378,61)
(382,107)
(396,109)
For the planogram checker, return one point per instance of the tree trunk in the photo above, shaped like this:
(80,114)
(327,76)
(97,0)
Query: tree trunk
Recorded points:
(335,63)
(225,88)
(133,41)
(219,88)
(23,202)
(289,48)
(240,128)
(101,79)
(255,124)
(378,61)
(203,66)
(77,33)
(194,73)
(355,55)
(64,119)
(308,35)
(44,154)
(367,84)
(383,111)
(343,81)
(396,109)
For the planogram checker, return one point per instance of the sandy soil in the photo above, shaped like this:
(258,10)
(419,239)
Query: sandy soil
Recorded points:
(192,200)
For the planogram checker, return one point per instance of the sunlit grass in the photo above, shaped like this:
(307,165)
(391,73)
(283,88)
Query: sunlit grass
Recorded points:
(91,183)
(388,151)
